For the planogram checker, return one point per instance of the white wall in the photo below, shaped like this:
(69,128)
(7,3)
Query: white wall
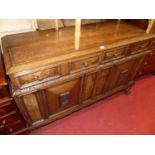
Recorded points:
(11,26)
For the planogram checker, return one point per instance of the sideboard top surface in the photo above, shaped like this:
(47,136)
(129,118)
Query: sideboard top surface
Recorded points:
(32,49)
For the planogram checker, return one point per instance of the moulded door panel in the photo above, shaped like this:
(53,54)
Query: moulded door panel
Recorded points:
(88,86)
(63,95)
(102,78)
(121,74)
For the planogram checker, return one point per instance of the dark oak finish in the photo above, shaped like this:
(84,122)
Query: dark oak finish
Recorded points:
(50,79)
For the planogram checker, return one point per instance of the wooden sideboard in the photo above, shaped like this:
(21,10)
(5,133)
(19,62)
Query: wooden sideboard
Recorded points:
(49,79)
(11,121)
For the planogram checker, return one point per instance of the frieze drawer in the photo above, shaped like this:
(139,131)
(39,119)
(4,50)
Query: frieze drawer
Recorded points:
(37,77)
(83,63)
(140,46)
(114,53)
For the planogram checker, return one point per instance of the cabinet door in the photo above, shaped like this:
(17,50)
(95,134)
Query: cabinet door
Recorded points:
(94,83)
(88,85)
(63,95)
(101,81)
(38,106)
(123,73)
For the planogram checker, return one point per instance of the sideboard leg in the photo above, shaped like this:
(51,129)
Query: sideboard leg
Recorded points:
(127,91)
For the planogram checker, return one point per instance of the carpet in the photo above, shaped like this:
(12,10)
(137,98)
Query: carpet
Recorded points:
(118,114)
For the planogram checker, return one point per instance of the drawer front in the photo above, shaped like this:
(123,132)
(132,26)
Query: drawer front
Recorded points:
(63,96)
(39,76)
(3,92)
(83,63)
(140,46)
(10,128)
(6,107)
(8,118)
(114,54)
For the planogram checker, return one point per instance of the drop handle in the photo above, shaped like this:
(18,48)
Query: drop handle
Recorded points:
(142,46)
(85,64)
(38,78)
(115,55)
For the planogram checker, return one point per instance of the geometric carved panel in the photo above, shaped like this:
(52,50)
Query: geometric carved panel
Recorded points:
(89,83)
(101,81)
(122,74)
(63,95)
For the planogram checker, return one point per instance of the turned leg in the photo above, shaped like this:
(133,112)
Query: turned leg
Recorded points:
(127,91)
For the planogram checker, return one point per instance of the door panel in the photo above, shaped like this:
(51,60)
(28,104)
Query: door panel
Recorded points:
(88,86)
(63,96)
(121,74)
(102,76)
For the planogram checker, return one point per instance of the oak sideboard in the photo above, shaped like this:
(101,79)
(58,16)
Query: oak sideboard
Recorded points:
(49,79)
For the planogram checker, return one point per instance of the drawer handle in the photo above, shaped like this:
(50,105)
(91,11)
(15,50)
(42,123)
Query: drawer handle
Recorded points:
(38,78)
(115,54)
(85,64)
(64,98)
(108,56)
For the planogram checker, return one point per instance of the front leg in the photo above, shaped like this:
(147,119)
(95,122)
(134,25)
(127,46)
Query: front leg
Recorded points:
(127,91)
